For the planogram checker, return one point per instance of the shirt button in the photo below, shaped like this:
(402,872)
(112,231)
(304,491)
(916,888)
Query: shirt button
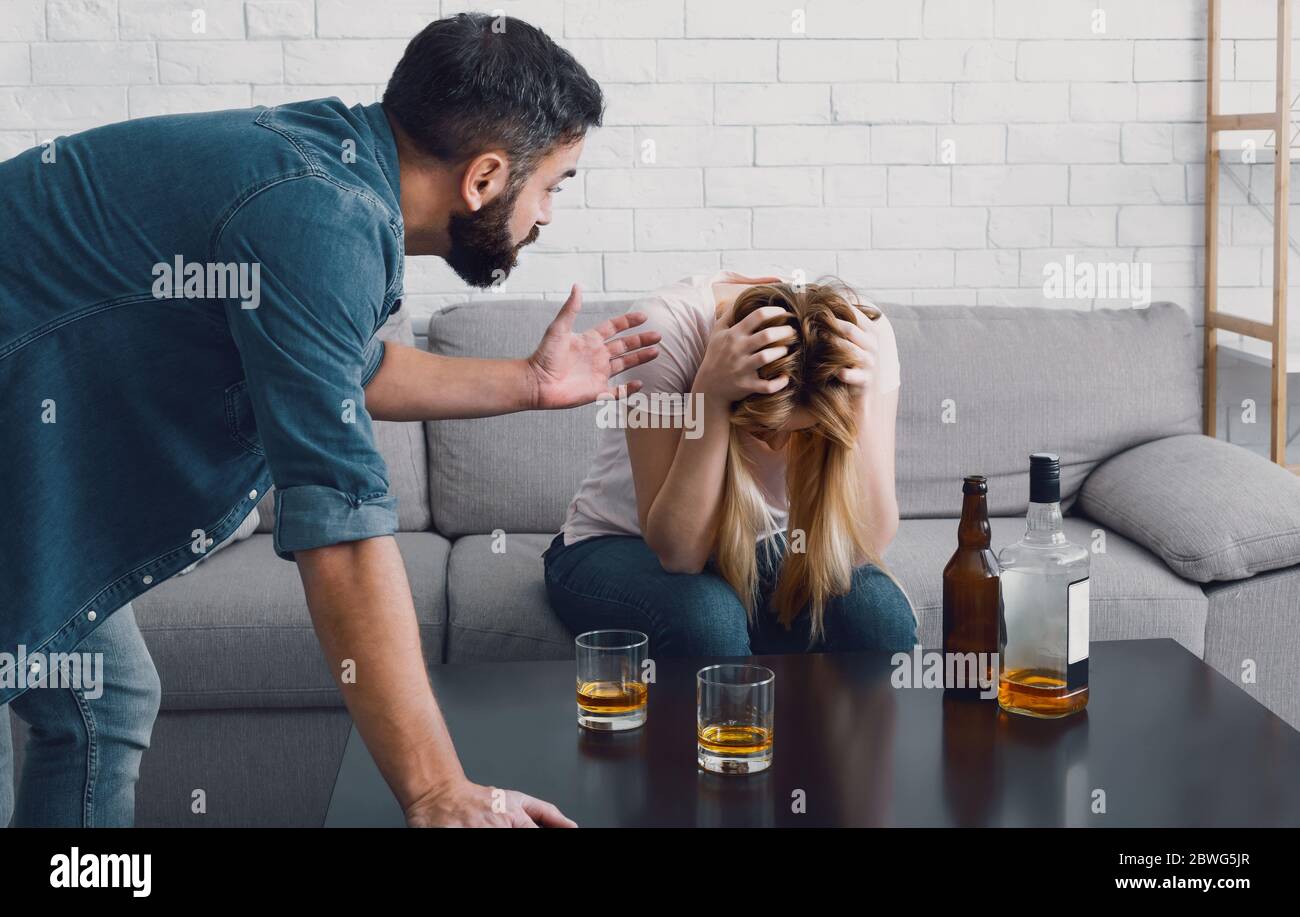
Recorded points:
(208,543)
(147,579)
(90,615)
(35,667)
(252,495)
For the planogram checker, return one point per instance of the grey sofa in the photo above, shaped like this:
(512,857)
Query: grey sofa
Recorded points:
(1193,539)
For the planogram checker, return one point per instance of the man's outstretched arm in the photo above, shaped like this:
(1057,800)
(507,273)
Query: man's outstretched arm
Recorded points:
(567,369)
(361,607)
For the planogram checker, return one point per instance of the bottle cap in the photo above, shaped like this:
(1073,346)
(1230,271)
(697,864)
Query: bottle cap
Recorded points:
(1044,477)
(975,484)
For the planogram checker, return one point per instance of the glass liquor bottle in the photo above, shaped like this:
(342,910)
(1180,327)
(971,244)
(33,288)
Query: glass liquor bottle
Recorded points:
(1044,632)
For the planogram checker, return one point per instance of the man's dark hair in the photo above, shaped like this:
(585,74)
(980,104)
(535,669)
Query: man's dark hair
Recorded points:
(473,82)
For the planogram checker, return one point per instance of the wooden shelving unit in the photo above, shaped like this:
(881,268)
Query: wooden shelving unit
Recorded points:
(1278,121)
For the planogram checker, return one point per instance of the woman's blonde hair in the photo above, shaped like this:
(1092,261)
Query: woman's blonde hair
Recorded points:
(822,480)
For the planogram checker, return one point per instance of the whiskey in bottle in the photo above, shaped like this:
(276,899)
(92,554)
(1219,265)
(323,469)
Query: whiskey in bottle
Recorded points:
(971,597)
(1044,633)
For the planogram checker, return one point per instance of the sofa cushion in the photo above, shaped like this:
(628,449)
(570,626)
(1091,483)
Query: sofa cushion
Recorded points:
(516,472)
(237,633)
(1209,509)
(1133,595)
(983,387)
(496,601)
(402,446)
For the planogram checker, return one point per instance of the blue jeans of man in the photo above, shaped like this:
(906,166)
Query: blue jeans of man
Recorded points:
(616,581)
(83,752)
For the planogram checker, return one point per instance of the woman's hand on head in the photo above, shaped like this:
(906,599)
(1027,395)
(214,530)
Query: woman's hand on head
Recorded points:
(860,339)
(735,354)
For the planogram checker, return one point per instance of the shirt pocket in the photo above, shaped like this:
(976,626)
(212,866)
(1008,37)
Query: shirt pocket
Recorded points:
(239,418)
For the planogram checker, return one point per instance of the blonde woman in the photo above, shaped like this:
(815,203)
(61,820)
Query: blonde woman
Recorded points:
(749,517)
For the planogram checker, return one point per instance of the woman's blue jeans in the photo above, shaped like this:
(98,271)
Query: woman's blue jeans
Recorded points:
(616,581)
(83,752)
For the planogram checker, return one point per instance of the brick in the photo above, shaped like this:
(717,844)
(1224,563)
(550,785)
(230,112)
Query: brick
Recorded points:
(22,20)
(179,19)
(547,15)
(995,267)
(984,102)
(1147,142)
(1083,226)
(813,264)
(694,230)
(898,268)
(586,230)
(644,272)
(972,144)
(623,18)
(65,109)
(1020,227)
(146,101)
(710,60)
(280,18)
(80,20)
(816,145)
(367,19)
(693,146)
(812,227)
(958,19)
(635,104)
(1068,143)
(856,186)
(1036,19)
(951,61)
(94,63)
(920,186)
(1127,184)
(929,227)
(773,103)
(764,186)
(363,60)
(838,61)
(1161,225)
(1103,102)
(220,62)
(15,64)
(614,60)
(645,188)
(1010,185)
(903,144)
(885,103)
(279,95)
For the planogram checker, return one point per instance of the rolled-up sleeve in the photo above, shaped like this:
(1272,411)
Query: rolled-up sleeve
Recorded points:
(324,257)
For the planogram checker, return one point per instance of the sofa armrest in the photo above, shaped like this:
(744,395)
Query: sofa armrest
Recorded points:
(1210,510)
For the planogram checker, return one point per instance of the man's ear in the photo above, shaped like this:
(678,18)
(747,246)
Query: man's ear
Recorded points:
(484,178)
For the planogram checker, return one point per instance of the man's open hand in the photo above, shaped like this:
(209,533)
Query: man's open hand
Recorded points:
(571,369)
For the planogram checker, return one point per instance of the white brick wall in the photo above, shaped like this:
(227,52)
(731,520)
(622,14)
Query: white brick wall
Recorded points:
(927,150)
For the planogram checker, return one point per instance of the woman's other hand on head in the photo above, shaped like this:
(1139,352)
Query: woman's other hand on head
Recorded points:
(860,339)
(735,354)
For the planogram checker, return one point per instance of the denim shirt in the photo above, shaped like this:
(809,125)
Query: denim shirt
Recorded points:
(188,309)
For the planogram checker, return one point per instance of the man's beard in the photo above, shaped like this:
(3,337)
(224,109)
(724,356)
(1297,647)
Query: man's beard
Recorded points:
(482,252)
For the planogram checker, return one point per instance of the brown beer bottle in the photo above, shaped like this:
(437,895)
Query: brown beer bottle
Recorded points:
(972,596)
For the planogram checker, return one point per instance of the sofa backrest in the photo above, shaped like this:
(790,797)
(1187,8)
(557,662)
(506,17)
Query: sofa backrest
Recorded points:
(516,472)
(982,387)
(401,445)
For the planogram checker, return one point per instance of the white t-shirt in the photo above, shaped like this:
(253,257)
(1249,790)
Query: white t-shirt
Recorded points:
(683,314)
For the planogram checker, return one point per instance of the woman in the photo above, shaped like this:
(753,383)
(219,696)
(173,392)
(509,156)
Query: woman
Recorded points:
(756,523)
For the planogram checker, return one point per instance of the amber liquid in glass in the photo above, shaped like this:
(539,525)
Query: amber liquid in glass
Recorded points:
(1041,694)
(612,697)
(730,739)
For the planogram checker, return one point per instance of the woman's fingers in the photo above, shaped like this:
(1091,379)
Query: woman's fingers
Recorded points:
(757,361)
(751,322)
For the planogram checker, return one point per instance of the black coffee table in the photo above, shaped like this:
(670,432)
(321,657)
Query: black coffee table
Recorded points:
(1168,740)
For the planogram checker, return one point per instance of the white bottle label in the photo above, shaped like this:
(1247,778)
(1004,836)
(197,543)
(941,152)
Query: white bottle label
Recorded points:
(1076,647)
(1078,611)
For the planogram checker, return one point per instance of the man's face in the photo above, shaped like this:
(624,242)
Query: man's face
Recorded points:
(485,244)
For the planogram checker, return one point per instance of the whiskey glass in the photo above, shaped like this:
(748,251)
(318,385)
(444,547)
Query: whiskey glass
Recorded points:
(735,714)
(611,692)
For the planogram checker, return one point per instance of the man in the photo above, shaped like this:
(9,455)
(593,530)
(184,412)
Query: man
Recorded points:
(189,311)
